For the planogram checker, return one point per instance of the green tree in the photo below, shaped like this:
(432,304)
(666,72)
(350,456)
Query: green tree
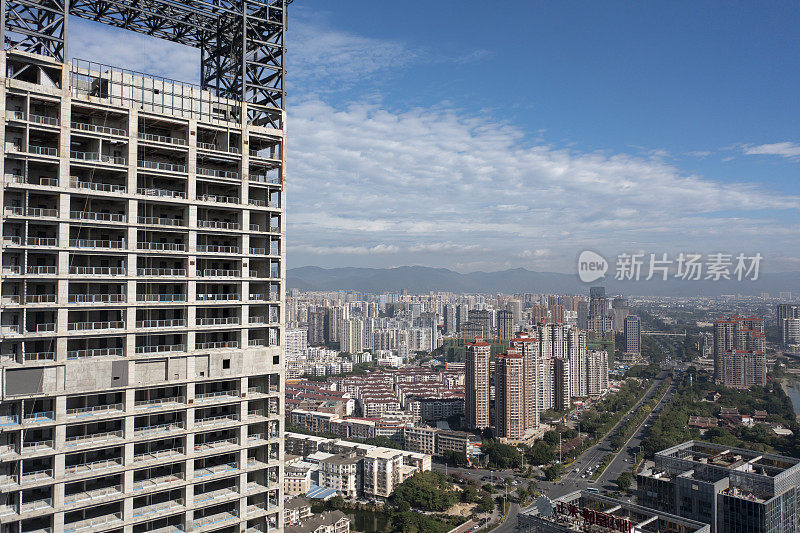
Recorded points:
(552,472)
(624,481)
(485,504)
(469,494)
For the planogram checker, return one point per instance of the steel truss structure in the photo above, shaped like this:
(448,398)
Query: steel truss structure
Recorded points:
(241,41)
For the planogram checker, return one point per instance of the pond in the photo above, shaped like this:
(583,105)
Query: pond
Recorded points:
(368,521)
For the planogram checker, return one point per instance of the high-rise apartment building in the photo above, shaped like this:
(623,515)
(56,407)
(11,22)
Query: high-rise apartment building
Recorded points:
(789,323)
(143,276)
(741,369)
(476,384)
(736,333)
(596,373)
(482,321)
(316,327)
(505,325)
(633,335)
(529,348)
(510,395)
(619,312)
(599,318)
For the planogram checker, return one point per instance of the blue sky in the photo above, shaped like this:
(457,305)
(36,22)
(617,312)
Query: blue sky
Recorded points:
(482,136)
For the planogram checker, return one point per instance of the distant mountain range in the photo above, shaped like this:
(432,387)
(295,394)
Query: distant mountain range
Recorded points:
(420,279)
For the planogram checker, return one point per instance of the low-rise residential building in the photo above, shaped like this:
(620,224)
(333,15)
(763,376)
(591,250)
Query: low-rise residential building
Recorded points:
(327,522)
(296,481)
(340,472)
(296,510)
(420,439)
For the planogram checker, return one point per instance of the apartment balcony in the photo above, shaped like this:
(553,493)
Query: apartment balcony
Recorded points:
(10,329)
(12,270)
(165,139)
(97,271)
(260,508)
(76,183)
(262,203)
(95,352)
(97,157)
(38,446)
(263,178)
(158,455)
(160,193)
(95,411)
(38,417)
(218,198)
(161,507)
(218,297)
(214,321)
(157,481)
(11,179)
(219,273)
(216,148)
(161,272)
(37,212)
(159,402)
(99,244)
(94,438)
(219,494)
(160,165)
(161,221)
(161,246)
(227,174)
(217,395)
(43,150)
(36,476)
(217,469)
(216,345)
(92,298)
(159,429)
(264,297)
(94,326)
(97,217)
(212,520)
(215,224)
(215,445)
(41,241)
(161,324)
(92,523)
(36,505)
(93,467)
(94,128)
(40,298)
(213,248)
(38,356)
(266,154)
(163,348)
(92,495)
(257,439)
(43,270)
(160,298)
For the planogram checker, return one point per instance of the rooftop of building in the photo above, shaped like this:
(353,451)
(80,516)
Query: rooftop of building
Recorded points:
(296,503)
(579,511)
(730,458)
(316,521)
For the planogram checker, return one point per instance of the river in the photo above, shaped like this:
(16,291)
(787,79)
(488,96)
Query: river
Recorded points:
(793,390)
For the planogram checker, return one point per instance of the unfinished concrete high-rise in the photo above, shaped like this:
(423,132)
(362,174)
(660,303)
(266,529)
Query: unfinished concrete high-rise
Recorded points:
(142,289)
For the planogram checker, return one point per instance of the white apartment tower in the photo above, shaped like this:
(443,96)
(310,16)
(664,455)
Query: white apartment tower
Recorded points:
(143,267)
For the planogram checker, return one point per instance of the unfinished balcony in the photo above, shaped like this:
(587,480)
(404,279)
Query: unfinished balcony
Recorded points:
(160,319)
(171,524)
(219,268)
(89,238)
(264,269)
(210,417)
(162,241)
(265,149)
(36,471)
(39,293)
(216,465)
(218,244)
(163,134)
(169,449)
(91,265)
(153,214)
(218,170)
(159,398)
(218,219)
(43,144)
(39,411)
(264,222)
(217,316)
(92,490)
(153,266)
(87,293)
(160,293)
(160,344)
(37,500)
(38,441)
(216,141)
(262,337)
(164,188)
(218,292)
(38,351)
(40,322)
(214,517)
(219,340)
(98,122)
(42,235)
(263,315)
(262,197)
(267,174)
(264,291)
(161,160)
(96,462)
(98,181)
(92,321)
(264,246)
(159,503)
(88,151)
(94,433)
(85,348)
(217,391)
(261,504)
(216,441)
(157,477)
(215,492)
(91,406)
(92,210)
(93,518)
(159,425)
(218,193)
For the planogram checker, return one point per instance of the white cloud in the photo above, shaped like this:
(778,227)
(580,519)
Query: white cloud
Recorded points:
(783,149)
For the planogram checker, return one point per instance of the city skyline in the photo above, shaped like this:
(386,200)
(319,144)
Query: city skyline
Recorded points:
(392,114)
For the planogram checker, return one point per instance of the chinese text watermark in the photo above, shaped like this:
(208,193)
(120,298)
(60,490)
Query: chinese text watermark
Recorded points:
(685,266)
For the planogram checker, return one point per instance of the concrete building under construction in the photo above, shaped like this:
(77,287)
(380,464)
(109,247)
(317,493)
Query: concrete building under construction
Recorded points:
(142,288)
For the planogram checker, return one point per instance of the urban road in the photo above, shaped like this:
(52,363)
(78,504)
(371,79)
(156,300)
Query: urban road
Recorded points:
(573,480)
